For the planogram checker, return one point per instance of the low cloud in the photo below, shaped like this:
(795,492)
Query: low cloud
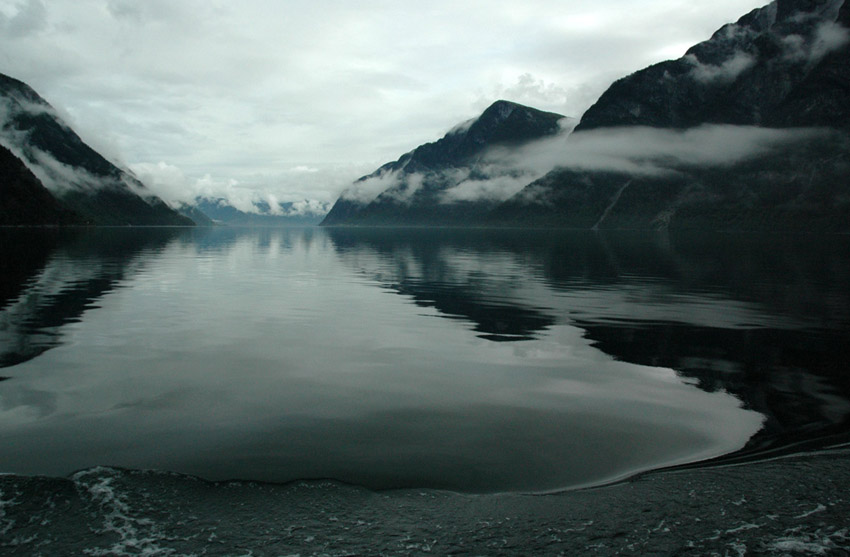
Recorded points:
(726,72)
(406,188)
(59,177)
(171,184)
(175,188)
(495,189)
(637,151)
(367,189)
(828,37)
(56,176)
(307,207)
(640,151)
(643,150)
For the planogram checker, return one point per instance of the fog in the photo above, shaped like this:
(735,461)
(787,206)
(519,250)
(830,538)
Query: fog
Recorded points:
(501,172)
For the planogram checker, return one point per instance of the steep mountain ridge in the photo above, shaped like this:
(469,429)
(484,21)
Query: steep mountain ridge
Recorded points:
(785,66)
(412,189)
(775,66)
(80,179)
(220,211)
(749,130)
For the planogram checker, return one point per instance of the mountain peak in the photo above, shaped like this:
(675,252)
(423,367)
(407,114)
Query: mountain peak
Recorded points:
(510,122)
(781,65)
(20,91)
(421,177)
(501,110)
(503,122)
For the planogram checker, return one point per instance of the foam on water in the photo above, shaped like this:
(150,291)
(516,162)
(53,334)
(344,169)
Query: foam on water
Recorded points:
(791,506)
(136,536)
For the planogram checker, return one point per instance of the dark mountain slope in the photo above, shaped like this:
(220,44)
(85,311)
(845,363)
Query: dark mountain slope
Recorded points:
(410,190)
(782,65)
(25,200)
(79,177)
(786,66)
(802,187)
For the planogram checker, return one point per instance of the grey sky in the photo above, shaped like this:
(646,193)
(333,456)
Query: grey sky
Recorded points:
(292,100)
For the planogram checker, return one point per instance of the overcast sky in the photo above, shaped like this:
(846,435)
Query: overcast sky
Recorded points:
(295,99)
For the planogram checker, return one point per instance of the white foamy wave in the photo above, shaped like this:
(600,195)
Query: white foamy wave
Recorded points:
(136,536)
(818,542)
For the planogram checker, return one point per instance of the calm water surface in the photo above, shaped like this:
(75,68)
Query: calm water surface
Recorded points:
(475,361)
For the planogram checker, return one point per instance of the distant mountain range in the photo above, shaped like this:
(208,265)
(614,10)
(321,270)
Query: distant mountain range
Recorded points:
(207,212)
(750,130)
(50,176)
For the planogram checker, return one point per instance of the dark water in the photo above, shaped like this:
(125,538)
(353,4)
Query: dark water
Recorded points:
(476,361)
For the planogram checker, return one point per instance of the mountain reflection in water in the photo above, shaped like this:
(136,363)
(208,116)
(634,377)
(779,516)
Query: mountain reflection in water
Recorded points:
(51,277)
(276,354)
(763,317)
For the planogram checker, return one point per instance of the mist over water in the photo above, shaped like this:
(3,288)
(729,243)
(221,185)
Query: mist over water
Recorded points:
(468,360)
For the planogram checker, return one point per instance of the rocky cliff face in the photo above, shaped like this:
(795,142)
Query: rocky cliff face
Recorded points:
(782,65)
(779,71)
(799,187)
(417,188)
(78,177)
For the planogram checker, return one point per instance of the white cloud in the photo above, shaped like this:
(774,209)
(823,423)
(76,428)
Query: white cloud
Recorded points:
(502,172)
(307,207)
(56,176)
(24,18)
(366,190)
(248,91)
(828,37)
(309,189)
(404,191)
(533,91)
(634,150)
(493,189)
(300,169)
(726,72)
(653,150)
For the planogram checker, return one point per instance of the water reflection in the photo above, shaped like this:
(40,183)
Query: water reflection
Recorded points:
(50,278)
(766,318)
(470,360)
(465,275)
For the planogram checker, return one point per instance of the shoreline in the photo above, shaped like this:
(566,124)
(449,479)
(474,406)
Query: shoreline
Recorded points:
(789,505)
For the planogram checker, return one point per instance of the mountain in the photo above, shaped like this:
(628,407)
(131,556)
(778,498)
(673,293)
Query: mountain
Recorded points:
(220,211)
(755,90)
(782,65)
(801,187)
(749,130)
(25,200)
(431,184)
(194,212)
(81,180)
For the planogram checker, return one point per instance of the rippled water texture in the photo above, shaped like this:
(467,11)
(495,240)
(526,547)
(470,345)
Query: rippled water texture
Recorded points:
(475,361)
